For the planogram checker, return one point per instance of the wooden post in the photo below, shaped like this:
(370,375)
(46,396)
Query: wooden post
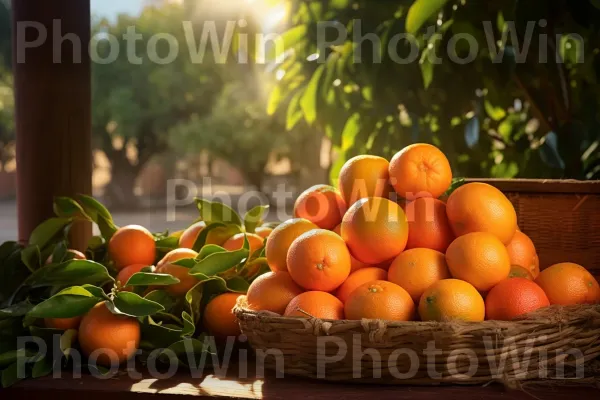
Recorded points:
(53,108)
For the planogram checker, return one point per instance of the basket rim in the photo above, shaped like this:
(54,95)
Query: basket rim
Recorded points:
(566,186)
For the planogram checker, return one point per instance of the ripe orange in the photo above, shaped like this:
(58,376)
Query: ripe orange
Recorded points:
(216,236)
(451,299)
(375,230)
(322,205)
(319,260)
(569,283)
(420,170)
(364,176)
(513,297)
(263,231)
(417,269)
(428,224)
(316,304)
(132,244)
(521,251)
(272,291)
(126,273)
(75,255)
(236,242)
(62,323)
(281,239)
(186,281)
(355,265)
(219,319)
(516,271)
(479,207)
(380,300)
(362,276)
(478,258)
(112,337)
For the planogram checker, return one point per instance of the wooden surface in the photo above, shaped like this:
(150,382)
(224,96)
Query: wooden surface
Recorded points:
(287,388)
(52,110)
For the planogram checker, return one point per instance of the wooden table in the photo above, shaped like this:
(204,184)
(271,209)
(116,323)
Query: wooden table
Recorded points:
(230,386)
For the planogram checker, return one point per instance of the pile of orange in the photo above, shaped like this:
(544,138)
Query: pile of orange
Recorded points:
(354,251)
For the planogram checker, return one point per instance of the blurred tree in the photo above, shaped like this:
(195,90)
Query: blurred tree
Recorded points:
(7,129)
(141,95)
(524,106)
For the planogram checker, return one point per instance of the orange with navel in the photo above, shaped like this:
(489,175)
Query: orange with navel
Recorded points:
(358,278)
(380,300)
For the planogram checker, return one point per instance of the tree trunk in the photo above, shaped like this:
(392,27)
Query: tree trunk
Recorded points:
(120,190)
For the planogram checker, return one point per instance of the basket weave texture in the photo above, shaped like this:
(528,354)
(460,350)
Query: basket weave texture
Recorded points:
(553,345)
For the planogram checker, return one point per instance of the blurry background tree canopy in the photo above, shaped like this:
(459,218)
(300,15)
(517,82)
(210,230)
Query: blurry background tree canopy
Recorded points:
(527,106)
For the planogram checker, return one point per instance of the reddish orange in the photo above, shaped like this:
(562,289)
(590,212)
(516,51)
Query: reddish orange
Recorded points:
(358,278)
(236,242)
(315,304)
(322,205)
(428,225)
(420,170)
(62,323)
(132,244)
(375,229)
(514,297)
(126,273)
(380,300)
(319,260)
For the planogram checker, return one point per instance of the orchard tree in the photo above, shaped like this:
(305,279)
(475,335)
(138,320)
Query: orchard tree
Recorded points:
(520,99)
(7,128)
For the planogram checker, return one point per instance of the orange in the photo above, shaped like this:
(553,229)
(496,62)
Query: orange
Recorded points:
(521,251)
(516,271)
(272,291)
(428,225)
(219,319)
(322,205)
(236,242)
(281,239)
(417,269)
(420,170)
(479,207)
(186,281)
(375,230)
(380,300)
(320,305)
(364,176)
(513,297)
(450,299)
(216,236)
(263,231)
(319,260)
(62,323)
(75,255)
(126,273)
(132,244)
(112,337)
(569,283)
(364,275)
(354,263)
(478,258)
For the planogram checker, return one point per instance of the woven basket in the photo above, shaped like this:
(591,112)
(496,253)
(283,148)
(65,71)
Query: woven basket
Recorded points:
(555,344)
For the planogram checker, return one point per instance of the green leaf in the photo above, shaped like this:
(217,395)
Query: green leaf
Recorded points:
(217,228)
(161,297)
(286,41)
(350,132)
(10,375)
(31,257)
(67,340)
(72,272)
(95,291)
(133,305)
(238,284)
(169,243)
(420,12)
(151,279)
(72,302)
(212,211)
(274,100)
(8,248)
(218,263)
(254,218)
(456,183)
(208,250)
(99,214)
(495,113)
(44,233)
(42,368)
(294,112)
(188,325)
(9,358)
(68,208)
(309,100)
(16,310)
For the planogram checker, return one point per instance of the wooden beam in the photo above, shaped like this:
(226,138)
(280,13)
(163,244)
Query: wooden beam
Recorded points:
(53,108)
